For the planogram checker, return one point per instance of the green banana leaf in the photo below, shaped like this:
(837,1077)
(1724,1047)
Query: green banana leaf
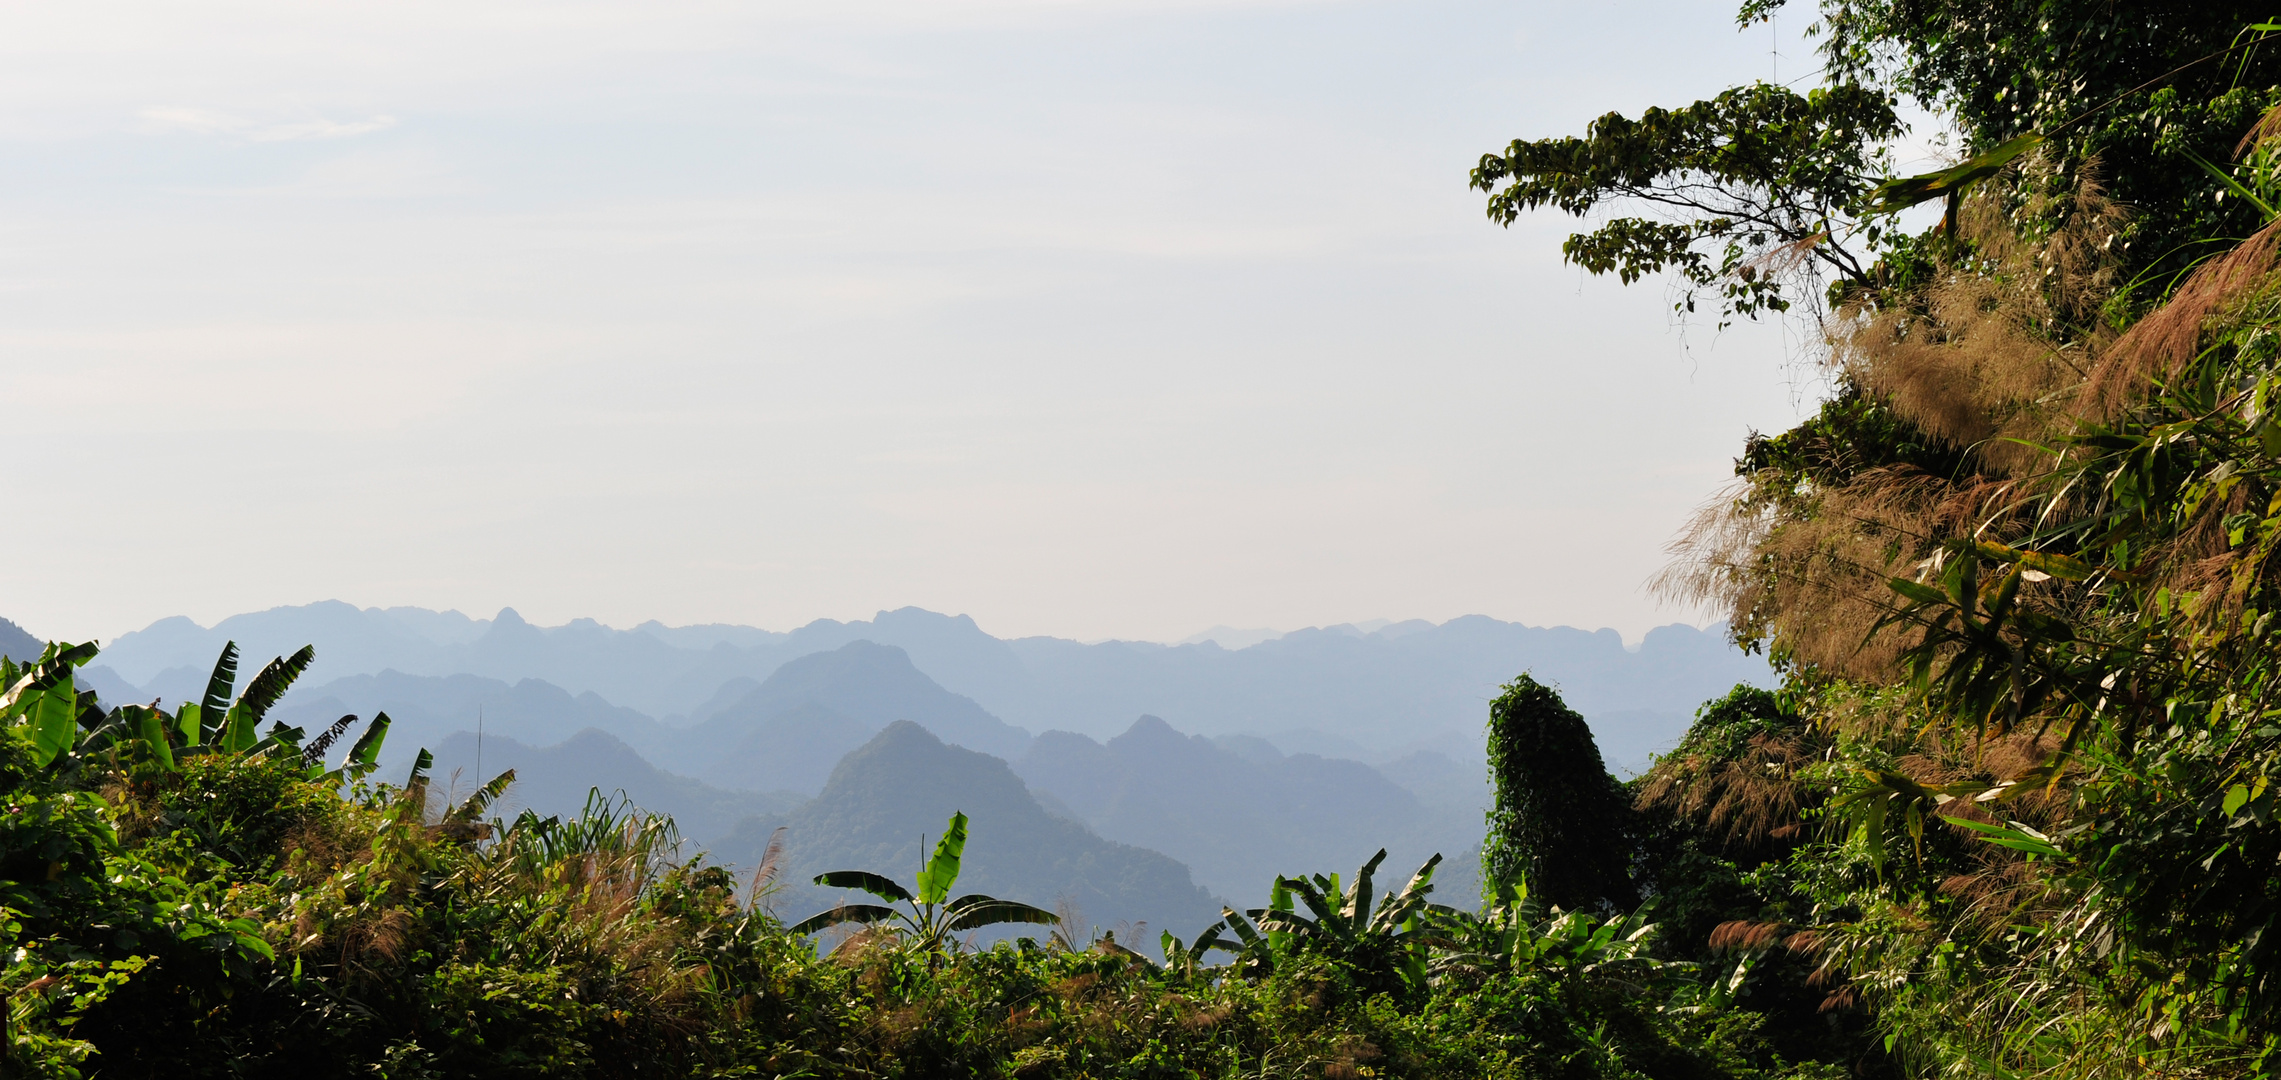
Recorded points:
(941,872)
(862,913)
(45,701)
(989,912)
(274,680)
(365,755)
(237,734)
(875,884)
(1908,191)
(150,726)
(221,685)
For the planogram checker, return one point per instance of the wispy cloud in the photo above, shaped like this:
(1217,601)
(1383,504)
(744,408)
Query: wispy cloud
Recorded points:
(216,122)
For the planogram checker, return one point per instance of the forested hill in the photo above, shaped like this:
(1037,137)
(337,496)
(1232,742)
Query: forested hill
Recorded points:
(1335,690)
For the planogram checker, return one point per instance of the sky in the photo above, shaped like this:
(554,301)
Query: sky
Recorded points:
(1090,318)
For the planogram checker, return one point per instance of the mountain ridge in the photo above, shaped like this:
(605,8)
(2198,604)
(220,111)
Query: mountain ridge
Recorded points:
(1390,691)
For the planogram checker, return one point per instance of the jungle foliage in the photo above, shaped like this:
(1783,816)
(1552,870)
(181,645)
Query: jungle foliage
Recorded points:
(2011,812)
(1766,196)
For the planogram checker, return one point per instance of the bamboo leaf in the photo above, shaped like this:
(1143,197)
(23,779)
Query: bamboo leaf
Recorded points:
(2015,836)
(1923,594)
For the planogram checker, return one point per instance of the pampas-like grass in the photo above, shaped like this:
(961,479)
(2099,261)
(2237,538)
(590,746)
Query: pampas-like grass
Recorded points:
(1989,358)
(2169,336)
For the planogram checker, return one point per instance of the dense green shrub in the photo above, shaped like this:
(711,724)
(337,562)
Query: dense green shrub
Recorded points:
(1560,822)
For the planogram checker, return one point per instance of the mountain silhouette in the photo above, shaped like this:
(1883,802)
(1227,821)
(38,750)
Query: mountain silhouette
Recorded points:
(1239,819)
(789,731)
(887,802)
(1380,693)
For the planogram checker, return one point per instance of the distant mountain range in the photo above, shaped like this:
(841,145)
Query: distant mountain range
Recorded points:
(1338,691)
(1304,752)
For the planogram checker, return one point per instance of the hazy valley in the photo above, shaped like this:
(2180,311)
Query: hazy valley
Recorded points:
(1087,768)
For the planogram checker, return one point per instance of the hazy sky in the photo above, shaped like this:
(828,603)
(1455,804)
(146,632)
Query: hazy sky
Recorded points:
(1086,317)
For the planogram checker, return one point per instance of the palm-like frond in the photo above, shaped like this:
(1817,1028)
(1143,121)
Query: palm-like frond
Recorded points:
(1388,939)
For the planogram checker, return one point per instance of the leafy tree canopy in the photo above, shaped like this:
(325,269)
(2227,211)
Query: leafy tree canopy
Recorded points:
(1763,196)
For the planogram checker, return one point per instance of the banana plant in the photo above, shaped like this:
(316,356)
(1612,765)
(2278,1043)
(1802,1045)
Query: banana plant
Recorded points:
(933,917)
(1383,941)
(62,723)
(43,700)
(1517,934)
(1185,961)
